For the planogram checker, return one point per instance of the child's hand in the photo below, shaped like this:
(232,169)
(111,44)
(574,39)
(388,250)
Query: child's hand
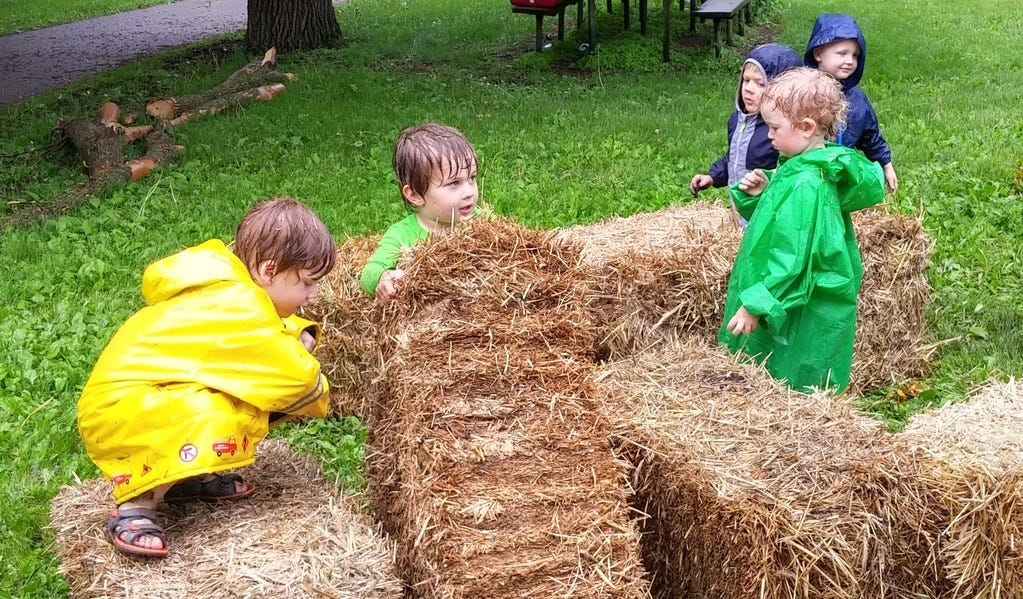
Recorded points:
(388,284)
(308,341)
(891,180)
(743,322)
(699,183)
(753,182)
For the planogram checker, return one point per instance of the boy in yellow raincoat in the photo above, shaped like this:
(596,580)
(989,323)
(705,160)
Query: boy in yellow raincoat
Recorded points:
(189,385)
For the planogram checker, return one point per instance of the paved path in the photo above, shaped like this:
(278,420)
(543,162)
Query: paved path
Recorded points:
(36,61)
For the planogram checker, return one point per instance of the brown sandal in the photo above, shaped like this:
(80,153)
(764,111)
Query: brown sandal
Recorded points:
(122,522)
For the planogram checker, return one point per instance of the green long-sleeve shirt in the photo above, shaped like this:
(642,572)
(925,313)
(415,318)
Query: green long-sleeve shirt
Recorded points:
(405,233)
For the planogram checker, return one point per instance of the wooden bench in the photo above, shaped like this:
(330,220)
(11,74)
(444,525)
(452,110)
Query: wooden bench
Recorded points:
(549,10)
(723,10)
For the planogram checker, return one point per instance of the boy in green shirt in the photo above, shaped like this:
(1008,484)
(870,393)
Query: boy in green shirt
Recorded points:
(436,170)
(792,293)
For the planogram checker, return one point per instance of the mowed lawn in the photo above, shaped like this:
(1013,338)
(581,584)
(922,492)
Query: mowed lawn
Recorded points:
(563,138)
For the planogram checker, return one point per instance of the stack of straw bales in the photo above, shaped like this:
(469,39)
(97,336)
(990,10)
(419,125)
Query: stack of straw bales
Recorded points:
(295,537)
(980,446)
(663,276)
(755,491)
(660,277)
(348,341)
(490,460)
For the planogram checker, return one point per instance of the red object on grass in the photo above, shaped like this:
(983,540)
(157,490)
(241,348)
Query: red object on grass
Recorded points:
(538,3)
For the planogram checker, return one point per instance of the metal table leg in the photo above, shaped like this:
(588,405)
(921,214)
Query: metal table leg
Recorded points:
(666,16)
(591,6)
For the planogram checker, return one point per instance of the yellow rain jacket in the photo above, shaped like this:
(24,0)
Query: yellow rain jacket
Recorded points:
(186,386)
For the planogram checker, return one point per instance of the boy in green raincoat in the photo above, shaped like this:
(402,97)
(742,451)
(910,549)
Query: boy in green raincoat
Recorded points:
(189,385)
(792,293)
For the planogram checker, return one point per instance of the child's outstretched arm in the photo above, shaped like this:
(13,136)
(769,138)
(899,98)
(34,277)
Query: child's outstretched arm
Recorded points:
(700,182)
(305,330)
(746,192)
(265,364)
(402,234)
(874,146)
(388,284)
(383,259)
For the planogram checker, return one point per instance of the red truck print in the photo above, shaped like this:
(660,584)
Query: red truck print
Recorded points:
(222,447)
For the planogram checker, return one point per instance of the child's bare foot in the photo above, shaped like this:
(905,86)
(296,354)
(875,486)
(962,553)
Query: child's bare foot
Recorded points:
(133,530)
(210,486)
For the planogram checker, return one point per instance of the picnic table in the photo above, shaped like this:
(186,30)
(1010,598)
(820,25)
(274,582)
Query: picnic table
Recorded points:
(643,11)
(716,10)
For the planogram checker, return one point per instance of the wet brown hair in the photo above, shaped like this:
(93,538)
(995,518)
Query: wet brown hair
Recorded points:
(286,232)
(426,148)
(805,93)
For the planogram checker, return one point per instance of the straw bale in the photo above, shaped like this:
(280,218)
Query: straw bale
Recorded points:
(980,444)
(490,461)
(347,338)
(892,344)
(985,431)
(755,491)
(662,277)
(297,536)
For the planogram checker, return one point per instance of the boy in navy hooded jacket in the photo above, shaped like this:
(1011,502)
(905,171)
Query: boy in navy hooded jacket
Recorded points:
(748,145)
(838,48)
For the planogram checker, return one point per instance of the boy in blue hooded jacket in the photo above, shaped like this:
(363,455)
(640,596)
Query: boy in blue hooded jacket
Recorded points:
(748,146)
(838,48)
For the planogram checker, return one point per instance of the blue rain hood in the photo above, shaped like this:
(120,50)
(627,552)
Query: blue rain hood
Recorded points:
(772,60)
(831,27)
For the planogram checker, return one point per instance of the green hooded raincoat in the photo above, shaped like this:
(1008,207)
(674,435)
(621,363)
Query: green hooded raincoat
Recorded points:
(798,268)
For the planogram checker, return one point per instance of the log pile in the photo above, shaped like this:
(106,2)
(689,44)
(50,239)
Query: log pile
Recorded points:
(101,142)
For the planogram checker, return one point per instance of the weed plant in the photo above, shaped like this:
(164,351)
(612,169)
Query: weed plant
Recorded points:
(563,136)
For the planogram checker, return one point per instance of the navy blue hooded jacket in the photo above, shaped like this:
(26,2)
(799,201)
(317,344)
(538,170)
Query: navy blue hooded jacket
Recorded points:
(861,130)
(751,151)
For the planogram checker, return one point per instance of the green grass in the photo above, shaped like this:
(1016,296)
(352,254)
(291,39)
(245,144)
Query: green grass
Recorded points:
(563,138)
(22,15)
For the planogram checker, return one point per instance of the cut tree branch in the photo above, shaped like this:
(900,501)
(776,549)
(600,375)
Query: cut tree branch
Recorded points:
(101,143)
(252,75)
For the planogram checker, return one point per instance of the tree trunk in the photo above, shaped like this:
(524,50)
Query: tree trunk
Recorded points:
(291,25)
